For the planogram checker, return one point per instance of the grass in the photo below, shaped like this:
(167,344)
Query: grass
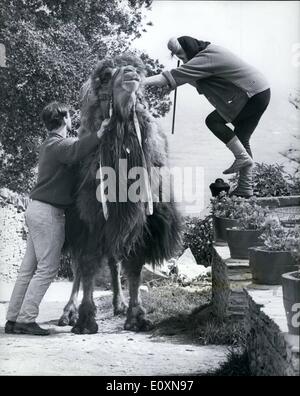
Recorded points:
(186,312)
(171,301)
(237,365)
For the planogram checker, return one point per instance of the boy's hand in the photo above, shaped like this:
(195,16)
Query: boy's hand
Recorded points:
(102,128)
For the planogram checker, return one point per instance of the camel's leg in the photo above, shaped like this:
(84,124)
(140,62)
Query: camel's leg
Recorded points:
(119,304)
(70,314)
(136,315)
(86,323)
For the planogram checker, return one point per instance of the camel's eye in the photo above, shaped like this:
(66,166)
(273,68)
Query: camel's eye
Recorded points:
(129,69)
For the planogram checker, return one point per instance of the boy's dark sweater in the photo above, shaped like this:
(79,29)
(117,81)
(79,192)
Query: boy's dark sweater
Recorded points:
(56,176)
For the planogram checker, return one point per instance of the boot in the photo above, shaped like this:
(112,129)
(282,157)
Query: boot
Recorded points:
(244,188)
(242,158)
(30,328)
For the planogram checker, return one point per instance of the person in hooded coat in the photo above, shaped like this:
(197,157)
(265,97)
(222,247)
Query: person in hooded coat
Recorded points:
(238,91)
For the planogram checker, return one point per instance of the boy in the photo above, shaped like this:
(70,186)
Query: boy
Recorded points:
(45,217)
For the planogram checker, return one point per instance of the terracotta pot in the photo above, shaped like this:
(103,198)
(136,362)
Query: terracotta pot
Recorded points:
(239,241)
(291,300)
(220,225)
(268,266)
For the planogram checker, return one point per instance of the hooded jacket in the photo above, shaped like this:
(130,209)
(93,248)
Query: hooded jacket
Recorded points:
(222,77)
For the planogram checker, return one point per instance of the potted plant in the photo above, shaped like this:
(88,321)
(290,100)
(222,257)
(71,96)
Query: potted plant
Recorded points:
(226,212)
(248,230)
(276,256)
(291,300)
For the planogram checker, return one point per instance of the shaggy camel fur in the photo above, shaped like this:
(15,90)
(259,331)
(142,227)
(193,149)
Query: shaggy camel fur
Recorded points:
(116,233)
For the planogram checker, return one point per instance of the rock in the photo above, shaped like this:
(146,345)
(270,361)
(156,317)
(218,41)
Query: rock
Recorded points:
(188,269)
(144,288)
(294,98)
(12,246)
(149,274)
(19,201)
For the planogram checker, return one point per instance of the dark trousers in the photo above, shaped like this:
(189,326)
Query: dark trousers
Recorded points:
(244,124)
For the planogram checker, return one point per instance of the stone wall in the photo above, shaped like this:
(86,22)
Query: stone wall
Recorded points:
(12,241)
(229,278)
(272,351)
(284,201)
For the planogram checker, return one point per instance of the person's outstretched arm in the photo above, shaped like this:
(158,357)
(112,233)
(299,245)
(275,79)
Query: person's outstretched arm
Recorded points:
(72,150)
(158,80)
(201,66)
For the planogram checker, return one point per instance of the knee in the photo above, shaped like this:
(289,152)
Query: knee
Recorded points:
(47,272)
(26,274)
(209,121)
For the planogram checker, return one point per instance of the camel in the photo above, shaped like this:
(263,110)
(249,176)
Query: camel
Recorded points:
(130,234)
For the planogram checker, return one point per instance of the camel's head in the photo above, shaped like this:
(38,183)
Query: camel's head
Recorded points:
(125,84)
(116,82)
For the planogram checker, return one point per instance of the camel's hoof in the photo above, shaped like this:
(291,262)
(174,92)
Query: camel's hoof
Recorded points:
(137,326)
(120,309)
(137,321)
(63,321)
(73,321)
(68,319)
(91,328)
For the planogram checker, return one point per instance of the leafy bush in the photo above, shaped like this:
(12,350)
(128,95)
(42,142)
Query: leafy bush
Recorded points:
(250,215)
(279,238)
(198,236)
(294,183)
(225,206)
(269,180)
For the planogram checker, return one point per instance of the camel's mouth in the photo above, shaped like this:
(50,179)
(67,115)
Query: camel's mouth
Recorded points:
(131,85)
(130,75)
(131,78)
(126,81)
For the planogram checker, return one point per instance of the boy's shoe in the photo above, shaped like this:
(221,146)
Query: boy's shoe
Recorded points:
(30,328)
(9,327)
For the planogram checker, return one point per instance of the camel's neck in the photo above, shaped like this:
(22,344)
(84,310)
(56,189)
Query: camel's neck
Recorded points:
(124,105)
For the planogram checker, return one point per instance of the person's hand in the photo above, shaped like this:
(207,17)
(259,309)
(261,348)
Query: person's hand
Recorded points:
(102,128)
(166,90)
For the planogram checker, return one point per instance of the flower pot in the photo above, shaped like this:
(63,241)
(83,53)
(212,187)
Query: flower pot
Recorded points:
(291,300)
(220,224)
(268,266)
(239,241)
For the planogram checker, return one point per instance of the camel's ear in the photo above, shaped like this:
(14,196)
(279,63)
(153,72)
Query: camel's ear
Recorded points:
(99,72)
